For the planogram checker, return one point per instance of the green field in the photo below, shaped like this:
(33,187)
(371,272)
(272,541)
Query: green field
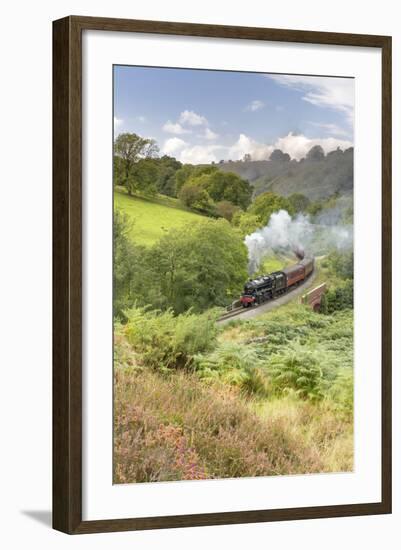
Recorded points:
(153,216)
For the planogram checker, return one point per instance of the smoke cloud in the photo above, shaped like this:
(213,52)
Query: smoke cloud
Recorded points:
(285,234)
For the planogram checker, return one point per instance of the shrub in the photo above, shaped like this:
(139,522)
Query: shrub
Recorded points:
(235,364)
(338,298)
(168,342)
(297,369)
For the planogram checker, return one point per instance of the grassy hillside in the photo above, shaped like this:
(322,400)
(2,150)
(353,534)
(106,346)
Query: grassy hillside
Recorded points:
(152,217)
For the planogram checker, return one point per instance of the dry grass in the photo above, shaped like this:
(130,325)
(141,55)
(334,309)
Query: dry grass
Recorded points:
(176,427)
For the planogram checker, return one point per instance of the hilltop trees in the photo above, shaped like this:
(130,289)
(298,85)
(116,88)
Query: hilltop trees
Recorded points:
(129,151)
(279,156)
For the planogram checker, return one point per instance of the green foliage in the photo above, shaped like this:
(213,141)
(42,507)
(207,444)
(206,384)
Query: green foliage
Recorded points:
(264,206)
(299,202)
(247,223)
(129,268)
(188,171)
(342,264)
(338,298)
(297,369)
(226,209)
(130,149)
(236,365)
(195,197)
(341,392)
(167,342)
(227,186)
(143,177)
(219,185)
(200,265)
(167,169)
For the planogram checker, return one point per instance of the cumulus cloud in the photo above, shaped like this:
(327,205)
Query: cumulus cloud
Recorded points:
(188,153)
(336,93)
(296,145)
(245,145)
(173,146)
(192,119)
(333,129)
(209,134)
(117,122)
(255,105)
(175,128)
(199,154)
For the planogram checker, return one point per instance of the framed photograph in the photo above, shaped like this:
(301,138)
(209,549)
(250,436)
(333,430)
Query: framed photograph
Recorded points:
(222,275)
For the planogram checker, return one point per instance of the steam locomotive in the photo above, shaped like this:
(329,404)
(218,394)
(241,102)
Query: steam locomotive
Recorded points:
(267,287)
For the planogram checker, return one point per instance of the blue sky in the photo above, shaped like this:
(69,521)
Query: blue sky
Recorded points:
(203,116)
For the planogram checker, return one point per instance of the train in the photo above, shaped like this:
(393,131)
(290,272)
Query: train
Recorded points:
(268,287)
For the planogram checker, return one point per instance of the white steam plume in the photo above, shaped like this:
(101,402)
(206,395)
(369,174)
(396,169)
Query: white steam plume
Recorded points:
(284,234)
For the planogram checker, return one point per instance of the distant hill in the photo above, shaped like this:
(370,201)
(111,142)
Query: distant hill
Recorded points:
(154,216)
(316,178)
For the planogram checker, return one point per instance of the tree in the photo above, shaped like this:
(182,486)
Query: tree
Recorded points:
(264,205)
(200,265)
(246,223)
(188,171)
(143,178)
(167,169)
(316,153)
(279,156)
(226,209)
(130,148)
(129,266)
(299,202)
(194,196)
(223,186)
(247,157)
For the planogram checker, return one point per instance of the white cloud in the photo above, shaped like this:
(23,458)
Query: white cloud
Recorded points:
(255,105)
(199,154)
(192,119)
(117,122)
(298,145)
(209,134)
(173,146)
(295,145)
(336,93)
(141,118)
(333,129)
(245,144)
(191,154)
(175,128)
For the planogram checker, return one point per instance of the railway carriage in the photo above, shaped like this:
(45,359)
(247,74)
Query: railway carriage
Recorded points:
(294,274)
